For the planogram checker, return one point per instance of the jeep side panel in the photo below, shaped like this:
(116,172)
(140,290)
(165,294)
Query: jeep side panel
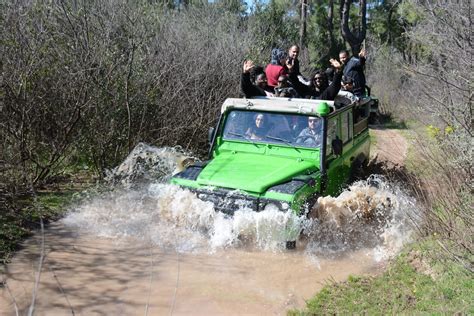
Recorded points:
(355,146)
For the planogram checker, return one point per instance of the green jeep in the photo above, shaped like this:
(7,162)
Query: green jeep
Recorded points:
(285,152)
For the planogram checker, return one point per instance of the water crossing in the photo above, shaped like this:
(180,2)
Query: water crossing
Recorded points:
(146,245)
(373,213)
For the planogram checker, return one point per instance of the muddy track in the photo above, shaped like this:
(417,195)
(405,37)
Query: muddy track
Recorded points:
(94,276)
(85,274)
(390,146)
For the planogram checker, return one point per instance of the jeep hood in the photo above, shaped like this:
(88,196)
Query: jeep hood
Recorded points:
(251,172)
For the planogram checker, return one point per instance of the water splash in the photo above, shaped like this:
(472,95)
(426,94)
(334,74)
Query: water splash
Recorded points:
(147,164)
(175,218)
(371,214)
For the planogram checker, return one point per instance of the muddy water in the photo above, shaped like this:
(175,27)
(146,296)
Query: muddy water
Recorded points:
(158,250)
(101,276)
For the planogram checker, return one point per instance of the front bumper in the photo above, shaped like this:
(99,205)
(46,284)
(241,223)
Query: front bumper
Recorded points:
(230,201)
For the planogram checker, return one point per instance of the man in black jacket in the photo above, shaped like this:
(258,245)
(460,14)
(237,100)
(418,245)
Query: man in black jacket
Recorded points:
(260,88)
(294,62)
(354,68)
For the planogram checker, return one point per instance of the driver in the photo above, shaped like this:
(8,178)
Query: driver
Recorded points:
(311,135)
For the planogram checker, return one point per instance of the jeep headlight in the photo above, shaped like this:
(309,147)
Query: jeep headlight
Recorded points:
(280,205)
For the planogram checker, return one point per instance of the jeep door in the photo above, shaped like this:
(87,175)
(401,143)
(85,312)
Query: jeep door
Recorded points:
(338,143)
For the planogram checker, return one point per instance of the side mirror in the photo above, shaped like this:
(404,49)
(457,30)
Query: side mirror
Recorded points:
(337,146)
(210,134)
(367,90)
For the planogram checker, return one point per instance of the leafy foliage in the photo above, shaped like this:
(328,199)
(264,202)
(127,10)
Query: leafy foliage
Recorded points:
(20,215)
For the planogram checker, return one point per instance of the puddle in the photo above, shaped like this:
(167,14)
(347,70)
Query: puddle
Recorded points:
(156,249)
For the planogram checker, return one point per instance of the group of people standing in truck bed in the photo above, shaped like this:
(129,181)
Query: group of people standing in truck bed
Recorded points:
(282,77)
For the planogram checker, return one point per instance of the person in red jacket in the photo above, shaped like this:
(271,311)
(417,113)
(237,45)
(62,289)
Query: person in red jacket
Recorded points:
(277,67)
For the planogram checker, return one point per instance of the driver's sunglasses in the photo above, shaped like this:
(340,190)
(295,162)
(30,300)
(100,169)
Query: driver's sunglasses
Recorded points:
(318,78)
(312,120)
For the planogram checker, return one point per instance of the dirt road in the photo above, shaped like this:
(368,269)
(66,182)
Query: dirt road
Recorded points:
(85,274)
(390,146)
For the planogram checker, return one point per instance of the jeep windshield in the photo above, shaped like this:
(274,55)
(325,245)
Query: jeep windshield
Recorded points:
(274,128)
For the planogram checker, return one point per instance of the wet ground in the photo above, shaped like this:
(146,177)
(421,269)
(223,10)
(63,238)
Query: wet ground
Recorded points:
(163,252)
(101,276)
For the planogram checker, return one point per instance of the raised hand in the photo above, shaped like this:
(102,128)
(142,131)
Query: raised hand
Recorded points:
(248,65)
(335,63)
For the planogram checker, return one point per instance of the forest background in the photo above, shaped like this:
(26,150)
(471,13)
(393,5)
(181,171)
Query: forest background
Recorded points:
(82,82)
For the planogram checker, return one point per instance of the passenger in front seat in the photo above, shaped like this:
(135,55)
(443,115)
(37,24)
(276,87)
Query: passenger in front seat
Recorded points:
(258,128)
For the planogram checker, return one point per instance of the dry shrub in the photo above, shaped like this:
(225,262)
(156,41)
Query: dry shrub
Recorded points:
(385,78)
(197,67)
(83,82)
(446,193)
(433,88)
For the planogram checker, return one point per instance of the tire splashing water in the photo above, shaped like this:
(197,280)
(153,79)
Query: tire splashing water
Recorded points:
(373,214)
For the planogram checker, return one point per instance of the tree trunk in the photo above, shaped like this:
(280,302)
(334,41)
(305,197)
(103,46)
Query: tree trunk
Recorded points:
(304,10)
(356,37)
(332,41)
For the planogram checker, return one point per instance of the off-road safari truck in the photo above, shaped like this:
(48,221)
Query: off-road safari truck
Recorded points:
(286,166)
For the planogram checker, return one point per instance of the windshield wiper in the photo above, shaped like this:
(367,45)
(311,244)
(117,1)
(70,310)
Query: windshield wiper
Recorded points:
(242,136)
(282,140)
(236,134)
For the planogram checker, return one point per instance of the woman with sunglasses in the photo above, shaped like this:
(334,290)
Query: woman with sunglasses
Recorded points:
(320,87)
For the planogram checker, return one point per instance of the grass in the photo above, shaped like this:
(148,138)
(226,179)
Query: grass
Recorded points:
(423,279)
(413,284)
(21,216)
(373,139)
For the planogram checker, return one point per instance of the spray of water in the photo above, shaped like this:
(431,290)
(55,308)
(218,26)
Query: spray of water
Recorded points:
(372,213)
(175,218)
(147,163)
